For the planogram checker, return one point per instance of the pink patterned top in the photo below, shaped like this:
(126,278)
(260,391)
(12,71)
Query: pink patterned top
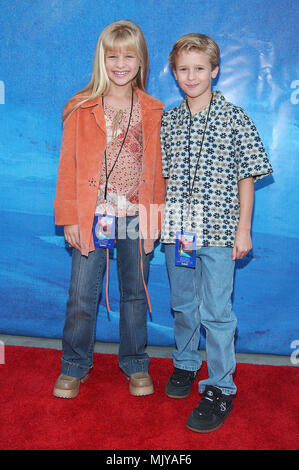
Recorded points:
(123,183)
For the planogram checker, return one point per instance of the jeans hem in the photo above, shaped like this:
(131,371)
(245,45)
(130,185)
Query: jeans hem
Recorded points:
(189,368)
(134,367)
(225,391)
(73,370)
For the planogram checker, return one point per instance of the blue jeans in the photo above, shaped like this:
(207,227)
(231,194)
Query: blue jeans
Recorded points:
(82,305)
(202,296)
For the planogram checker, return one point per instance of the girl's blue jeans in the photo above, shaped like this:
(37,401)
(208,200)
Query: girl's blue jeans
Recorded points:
(82,305)
(202,296)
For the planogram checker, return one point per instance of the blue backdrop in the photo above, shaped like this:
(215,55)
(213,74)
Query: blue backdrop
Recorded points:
(46,55)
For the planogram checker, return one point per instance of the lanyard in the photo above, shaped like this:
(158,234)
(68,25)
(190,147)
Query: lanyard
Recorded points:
(191,186)
(200,149)
(121,147)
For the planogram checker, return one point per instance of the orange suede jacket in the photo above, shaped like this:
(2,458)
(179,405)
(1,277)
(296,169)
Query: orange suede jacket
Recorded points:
(82,150)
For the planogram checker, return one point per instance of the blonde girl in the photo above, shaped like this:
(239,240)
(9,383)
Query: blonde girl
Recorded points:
(110,173)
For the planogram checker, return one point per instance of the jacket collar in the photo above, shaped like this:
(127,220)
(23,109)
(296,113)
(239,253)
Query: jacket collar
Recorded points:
(151,111)
(149,107)
(145,100)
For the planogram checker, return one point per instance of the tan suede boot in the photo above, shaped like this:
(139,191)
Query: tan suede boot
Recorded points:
(68,387)
(140,384)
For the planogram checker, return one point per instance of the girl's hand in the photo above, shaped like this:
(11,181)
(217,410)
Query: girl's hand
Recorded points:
(72,236)
(243,243)
(148,245)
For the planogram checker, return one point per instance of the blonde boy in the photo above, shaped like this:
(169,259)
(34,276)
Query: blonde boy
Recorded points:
(211,156)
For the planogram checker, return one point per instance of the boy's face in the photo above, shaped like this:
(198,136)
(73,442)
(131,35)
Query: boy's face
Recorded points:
(194,74)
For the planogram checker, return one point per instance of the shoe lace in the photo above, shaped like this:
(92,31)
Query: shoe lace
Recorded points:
(210,404)
(205,408)
(181,375)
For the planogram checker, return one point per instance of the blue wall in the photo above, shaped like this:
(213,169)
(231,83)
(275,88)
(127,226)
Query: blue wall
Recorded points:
(46,55)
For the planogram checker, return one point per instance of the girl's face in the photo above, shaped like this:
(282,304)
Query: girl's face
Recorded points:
(194,74)
(122,66)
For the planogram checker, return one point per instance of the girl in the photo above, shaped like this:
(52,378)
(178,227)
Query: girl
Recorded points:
(110,165)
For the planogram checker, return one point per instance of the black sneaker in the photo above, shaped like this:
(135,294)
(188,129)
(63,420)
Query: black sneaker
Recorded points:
(180,383)
(211,412)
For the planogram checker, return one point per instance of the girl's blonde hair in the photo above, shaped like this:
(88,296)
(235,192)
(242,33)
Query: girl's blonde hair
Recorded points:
(195,41)
(120,34)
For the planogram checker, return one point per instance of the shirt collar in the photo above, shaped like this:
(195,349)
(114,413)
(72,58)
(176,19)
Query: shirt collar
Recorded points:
(217,103)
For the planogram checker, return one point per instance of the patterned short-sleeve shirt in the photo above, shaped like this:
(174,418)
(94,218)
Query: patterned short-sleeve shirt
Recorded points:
(231,150)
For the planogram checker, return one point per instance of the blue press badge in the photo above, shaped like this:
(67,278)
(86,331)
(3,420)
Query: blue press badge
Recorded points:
(103,230)
(185,249)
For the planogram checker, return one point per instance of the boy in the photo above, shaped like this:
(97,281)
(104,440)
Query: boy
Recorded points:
(211,156)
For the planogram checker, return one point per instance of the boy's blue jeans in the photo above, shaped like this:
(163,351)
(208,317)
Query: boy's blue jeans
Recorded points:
(202,296)
(82,305)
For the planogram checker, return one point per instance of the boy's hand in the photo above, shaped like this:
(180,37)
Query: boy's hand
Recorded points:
(243,243)
(72,236)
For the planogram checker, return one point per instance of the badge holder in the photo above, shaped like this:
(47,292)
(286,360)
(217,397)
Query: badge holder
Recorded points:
(185,249)
(185,245)
(103,230)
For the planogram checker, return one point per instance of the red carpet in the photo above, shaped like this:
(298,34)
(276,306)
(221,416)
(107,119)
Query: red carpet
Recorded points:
(104,415)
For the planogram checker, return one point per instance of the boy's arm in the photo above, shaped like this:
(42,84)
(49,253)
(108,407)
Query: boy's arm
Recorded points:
(253,164)
(243,243)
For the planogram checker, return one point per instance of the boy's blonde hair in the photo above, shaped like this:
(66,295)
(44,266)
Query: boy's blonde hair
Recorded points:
(120,34)
(198,42)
